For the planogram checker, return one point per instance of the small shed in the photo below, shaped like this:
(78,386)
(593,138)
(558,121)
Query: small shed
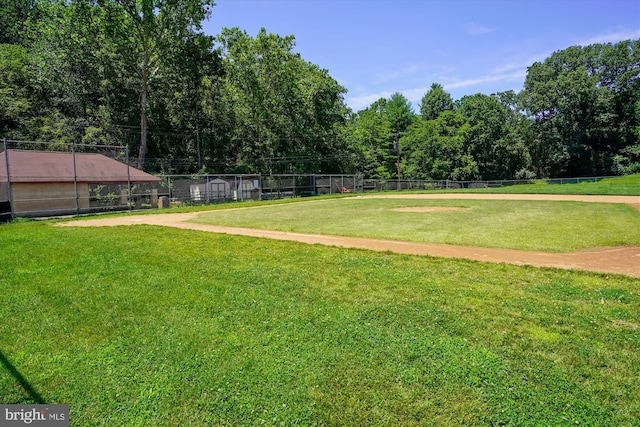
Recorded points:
(53,183)
(215,189)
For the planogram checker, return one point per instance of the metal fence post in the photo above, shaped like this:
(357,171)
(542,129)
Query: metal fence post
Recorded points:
(207,186)
(9,195)
(75,176)
(235,186)
(128,179)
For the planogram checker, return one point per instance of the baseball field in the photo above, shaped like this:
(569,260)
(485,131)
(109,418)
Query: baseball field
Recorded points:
(168,323)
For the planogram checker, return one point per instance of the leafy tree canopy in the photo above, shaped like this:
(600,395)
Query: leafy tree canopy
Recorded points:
(434,102)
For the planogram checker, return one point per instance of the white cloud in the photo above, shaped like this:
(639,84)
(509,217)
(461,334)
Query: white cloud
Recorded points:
(415,94)
(358,103)
(491,78)
(520,64)
(612,37)
(477,29)
(387,77)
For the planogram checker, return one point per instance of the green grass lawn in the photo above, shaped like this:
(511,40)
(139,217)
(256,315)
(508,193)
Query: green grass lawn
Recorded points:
(155,326)
(528,225)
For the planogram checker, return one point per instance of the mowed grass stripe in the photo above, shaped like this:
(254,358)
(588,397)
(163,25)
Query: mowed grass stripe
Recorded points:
(551,226)
(155,326)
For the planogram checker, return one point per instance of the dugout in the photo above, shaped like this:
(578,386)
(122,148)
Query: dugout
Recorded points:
(40,183)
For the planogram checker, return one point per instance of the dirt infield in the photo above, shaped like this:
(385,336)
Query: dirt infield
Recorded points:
(618,260)
(629,200)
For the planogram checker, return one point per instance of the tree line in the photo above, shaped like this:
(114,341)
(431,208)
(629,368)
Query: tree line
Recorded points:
(142,73)
(578,115)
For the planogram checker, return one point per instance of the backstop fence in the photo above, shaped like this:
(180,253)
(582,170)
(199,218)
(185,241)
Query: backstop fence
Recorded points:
(39,179)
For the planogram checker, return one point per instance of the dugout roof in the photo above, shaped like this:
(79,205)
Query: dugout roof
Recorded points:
(27,166)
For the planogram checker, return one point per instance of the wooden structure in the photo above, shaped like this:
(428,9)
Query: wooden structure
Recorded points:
(39,183)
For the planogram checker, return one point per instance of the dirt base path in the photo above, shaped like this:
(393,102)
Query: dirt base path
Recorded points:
(618,260)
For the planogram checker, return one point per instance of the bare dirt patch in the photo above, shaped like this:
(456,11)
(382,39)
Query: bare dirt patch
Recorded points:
(625,324)
(617,260)
(428,209)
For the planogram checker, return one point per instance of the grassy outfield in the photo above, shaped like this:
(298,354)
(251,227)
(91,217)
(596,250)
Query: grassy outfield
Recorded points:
(529,225)
(621,186)
(155,326)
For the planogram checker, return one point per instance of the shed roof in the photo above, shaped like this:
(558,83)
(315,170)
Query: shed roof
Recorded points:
(51,166)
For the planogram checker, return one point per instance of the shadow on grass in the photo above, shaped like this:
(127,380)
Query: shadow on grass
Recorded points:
(26,386)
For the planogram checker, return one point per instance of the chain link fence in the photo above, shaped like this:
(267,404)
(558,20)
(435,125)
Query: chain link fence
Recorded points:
(39,179)
(220,188)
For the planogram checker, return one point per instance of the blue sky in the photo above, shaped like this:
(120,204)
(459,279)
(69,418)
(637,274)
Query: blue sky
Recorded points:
(376,47)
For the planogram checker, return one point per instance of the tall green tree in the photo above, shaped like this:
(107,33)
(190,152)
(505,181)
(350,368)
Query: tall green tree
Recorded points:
(67,66)
(437,149)
(400,116)
(16,96)
(115,71)
(184,130)
(582,100)
(151,32)
(284,113)
(16,19)
(493,136)
(434,102)
(377,130)
(370,137)
(77,75)
(520,145)
(399,113)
